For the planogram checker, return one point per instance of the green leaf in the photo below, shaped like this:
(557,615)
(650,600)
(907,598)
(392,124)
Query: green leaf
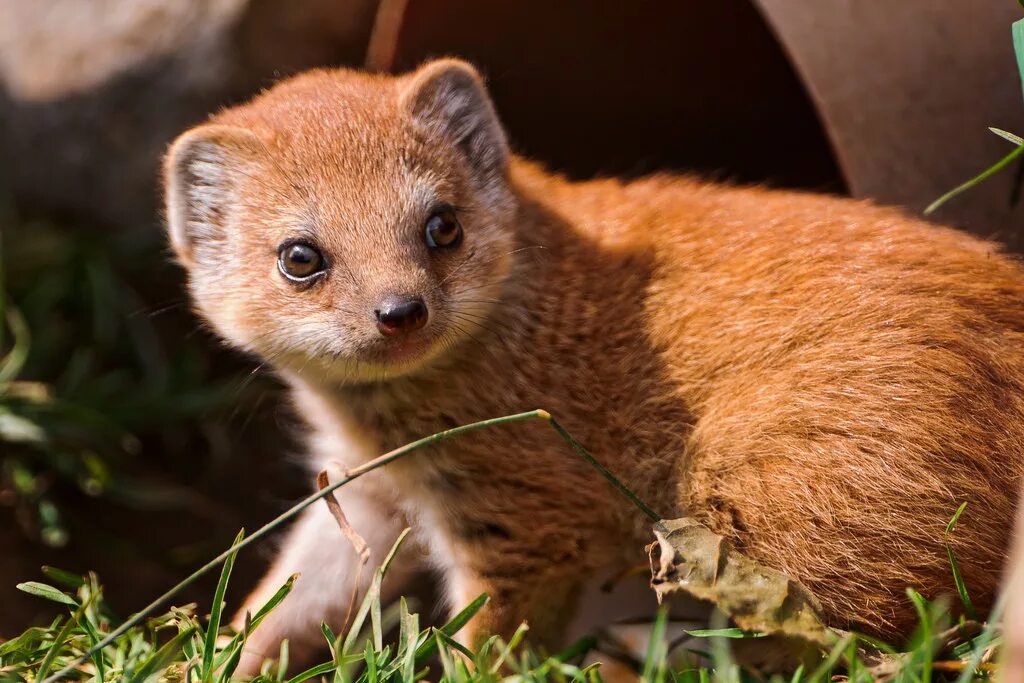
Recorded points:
(25,640)
(210,645)
(1007,135)
(48,592)
(1017,29)
(724,633)
(68,579)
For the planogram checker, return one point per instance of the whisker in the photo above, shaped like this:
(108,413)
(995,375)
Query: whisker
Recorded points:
(459,267)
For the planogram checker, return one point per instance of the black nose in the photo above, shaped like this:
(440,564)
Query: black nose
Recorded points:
(401,315)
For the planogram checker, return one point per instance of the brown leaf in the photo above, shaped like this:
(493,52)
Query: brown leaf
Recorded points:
(357,541)
(689,557)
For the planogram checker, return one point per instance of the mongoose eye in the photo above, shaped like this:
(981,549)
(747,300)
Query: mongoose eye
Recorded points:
(299,261)
(443,230)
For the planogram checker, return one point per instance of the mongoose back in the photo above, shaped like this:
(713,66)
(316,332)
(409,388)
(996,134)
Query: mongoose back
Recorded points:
(821,380)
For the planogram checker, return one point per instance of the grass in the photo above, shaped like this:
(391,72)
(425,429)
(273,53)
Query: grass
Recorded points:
(91,385)
(1017,33)
(87,386)
(387,643)
(92,644)
(83,394)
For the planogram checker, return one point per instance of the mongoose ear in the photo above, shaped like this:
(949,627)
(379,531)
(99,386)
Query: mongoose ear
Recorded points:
(449,98)
(202,171)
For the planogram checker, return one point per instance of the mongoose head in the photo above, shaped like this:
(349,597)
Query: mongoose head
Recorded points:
(348,225)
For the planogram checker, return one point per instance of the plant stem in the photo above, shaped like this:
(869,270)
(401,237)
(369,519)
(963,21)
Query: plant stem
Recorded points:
(585,454)
(981,177)
(350,475)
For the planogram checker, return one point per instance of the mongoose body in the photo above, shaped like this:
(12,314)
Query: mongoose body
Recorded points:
(821,380)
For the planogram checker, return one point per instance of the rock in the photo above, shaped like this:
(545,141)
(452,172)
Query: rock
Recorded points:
(91,93)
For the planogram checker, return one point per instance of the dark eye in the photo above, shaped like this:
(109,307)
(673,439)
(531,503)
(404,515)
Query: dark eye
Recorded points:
(299,261)
(443,230)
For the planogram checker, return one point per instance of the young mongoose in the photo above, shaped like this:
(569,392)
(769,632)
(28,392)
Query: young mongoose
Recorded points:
(819,379)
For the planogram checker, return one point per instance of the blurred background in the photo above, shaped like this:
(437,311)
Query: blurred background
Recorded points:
(133,445)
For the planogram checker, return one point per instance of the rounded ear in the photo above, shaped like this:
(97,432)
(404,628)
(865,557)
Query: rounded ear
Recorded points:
(448,97)
(203,169)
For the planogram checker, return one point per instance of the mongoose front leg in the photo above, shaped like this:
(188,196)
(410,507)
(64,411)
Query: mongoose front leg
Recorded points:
(544,598)
(328,568)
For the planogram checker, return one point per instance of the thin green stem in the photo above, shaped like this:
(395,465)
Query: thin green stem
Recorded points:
(981,177)
(585,454)
(350,475)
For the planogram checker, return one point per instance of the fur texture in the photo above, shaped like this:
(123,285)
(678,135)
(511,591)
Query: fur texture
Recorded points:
(822,380)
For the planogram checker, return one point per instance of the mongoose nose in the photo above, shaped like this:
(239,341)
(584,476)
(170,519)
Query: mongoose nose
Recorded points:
(401,315)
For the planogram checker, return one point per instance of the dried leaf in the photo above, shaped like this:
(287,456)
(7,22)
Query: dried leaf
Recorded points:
(357,541)
(689,557)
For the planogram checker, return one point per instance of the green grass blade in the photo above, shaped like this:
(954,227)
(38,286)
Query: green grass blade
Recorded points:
(578,649)
(375,622)
(409,633)
(958,579)
(370,658)
(823,672)
(453,626)
(655,663)
(371,602)
(732,632)
(452,643)
(234,656)
(58,643)
(507,650)
(976,180)
(12,363)
(254,621)
(163,657)
(282,661)
(332,640)
(273,602)
(445,655)
(318,670)
(604,471)
(213,627)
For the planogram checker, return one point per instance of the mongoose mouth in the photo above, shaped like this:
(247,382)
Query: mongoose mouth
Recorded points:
(406,350)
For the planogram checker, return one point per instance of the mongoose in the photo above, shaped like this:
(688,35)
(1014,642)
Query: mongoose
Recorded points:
(821,380)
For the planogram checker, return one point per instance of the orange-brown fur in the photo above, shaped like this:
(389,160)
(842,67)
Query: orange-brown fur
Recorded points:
(821,380)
